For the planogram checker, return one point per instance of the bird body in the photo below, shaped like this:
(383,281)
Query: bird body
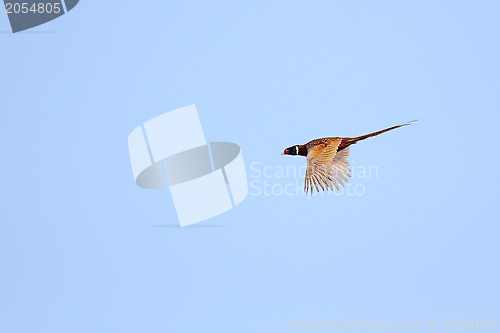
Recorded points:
(327,165)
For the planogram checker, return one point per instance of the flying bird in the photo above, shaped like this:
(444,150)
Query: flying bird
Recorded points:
(327,164)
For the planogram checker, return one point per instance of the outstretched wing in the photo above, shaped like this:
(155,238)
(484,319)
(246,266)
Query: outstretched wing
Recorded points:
(326,168)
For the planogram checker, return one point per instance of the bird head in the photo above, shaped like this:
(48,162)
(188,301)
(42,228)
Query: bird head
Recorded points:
(294,150)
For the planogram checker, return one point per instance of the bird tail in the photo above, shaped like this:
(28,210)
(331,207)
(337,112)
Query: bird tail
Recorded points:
(346,142)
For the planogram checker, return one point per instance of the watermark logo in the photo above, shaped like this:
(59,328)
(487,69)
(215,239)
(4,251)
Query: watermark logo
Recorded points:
(205,180)
(268,180)
(27,14)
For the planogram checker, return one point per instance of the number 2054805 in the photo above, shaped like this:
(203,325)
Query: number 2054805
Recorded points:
(463,324)
(40,8)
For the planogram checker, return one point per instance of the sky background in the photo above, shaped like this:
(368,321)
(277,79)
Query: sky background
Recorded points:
(78,252)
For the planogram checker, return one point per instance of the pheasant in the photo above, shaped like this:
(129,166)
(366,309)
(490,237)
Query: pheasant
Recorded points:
(327,164)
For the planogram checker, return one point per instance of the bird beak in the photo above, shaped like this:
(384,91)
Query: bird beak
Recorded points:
(283,153)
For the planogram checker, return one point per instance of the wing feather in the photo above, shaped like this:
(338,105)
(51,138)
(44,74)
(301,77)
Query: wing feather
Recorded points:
(326,168)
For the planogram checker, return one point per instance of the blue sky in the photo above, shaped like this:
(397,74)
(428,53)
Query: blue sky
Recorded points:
(78,253)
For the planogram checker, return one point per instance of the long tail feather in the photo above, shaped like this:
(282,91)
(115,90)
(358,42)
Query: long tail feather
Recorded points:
(346,142)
